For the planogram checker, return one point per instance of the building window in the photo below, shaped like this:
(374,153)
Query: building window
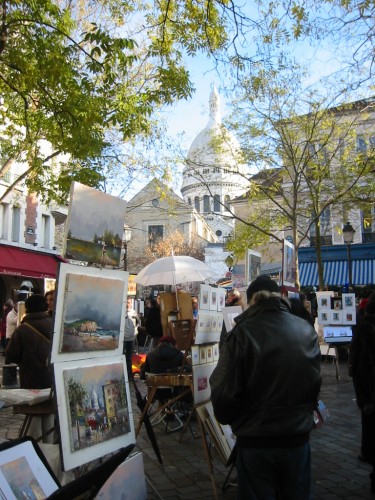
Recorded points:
(368,225)
(216,203)
(46,231)
(206,171)
(197,204)
(325,228)
(4,221)
(361,144)
(227,202)
(206,203)
(216,170)
(155,234)
(189,201)
(16,222)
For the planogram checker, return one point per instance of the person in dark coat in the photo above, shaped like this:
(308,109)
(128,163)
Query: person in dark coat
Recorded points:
(153,322)
(362,364)
(165,357)
(30,346)
(265,386)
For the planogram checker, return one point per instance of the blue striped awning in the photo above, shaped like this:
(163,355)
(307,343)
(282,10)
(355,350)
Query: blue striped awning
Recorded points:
(336,272)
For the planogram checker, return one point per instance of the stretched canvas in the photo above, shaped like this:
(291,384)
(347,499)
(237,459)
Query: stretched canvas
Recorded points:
(127,482)
(94,406)
(24,473)
(90,313)
(95,226)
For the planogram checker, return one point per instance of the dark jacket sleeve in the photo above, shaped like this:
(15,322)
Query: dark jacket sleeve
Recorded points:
(14,351)
(228,381)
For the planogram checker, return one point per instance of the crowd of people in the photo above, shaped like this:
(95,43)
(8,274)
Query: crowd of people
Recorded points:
(273,340)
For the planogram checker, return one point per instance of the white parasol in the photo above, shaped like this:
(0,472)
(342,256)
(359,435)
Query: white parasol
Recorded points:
(173,270)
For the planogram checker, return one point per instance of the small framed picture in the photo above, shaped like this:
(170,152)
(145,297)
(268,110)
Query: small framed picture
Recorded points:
(335,317)
(349,316)
(194,355)
(213,299)
(324,300)
(216,351)
(214,319)
(210,354)
(204,297)
(220,298)
(348,300)
(324,317)
(202,355)
(336,303)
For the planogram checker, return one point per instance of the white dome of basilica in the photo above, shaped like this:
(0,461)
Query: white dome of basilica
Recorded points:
(215,172)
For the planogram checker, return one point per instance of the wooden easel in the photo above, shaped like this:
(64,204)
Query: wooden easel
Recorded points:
(162,380)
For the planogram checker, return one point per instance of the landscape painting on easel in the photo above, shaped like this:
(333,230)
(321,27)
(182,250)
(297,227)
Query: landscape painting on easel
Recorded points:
(90,312)
(94,408)
(95,226)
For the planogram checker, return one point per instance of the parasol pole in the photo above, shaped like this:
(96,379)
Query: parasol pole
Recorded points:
(175,290)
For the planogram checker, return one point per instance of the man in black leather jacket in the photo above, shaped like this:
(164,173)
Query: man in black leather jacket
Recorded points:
(266,385)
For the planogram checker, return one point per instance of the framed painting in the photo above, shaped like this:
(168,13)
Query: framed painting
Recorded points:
(95,226)
(195,355)
(324,300)
(204,297)
(94,406)
(349,316)
(229,313)
(335,317)
(202,354)
(210,353)
(213,299)
(216,352)
(348,300)
(324,317)
(201,375)
(336,303)
(90,313)
(24,471)
(220,298)
(289,264)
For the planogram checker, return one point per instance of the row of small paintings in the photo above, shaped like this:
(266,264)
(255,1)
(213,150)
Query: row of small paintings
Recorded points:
(210,298)
(327,300)
(201,354)
(337,317)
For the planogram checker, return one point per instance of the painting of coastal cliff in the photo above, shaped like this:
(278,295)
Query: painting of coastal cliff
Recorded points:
(95,226)
(90,312)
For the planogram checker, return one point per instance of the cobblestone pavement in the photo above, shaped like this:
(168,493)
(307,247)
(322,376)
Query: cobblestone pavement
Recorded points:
(337,472)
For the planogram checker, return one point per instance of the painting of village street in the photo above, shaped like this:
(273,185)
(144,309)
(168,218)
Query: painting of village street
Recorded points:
(97,404)
(95,226)
(93,308)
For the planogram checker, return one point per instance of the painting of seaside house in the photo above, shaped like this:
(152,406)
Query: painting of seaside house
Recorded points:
(90,312)
(95,226)
(94,408)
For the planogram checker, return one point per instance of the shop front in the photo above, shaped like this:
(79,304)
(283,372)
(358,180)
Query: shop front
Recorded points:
(25,270)
(335,262)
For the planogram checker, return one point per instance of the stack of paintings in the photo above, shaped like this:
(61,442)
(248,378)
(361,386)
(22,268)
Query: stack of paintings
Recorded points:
(92,387)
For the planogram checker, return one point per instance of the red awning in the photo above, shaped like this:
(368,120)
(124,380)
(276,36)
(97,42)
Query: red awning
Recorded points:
(20,262)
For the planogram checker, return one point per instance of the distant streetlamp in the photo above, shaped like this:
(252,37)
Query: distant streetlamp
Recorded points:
(348,234)
(127,238)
